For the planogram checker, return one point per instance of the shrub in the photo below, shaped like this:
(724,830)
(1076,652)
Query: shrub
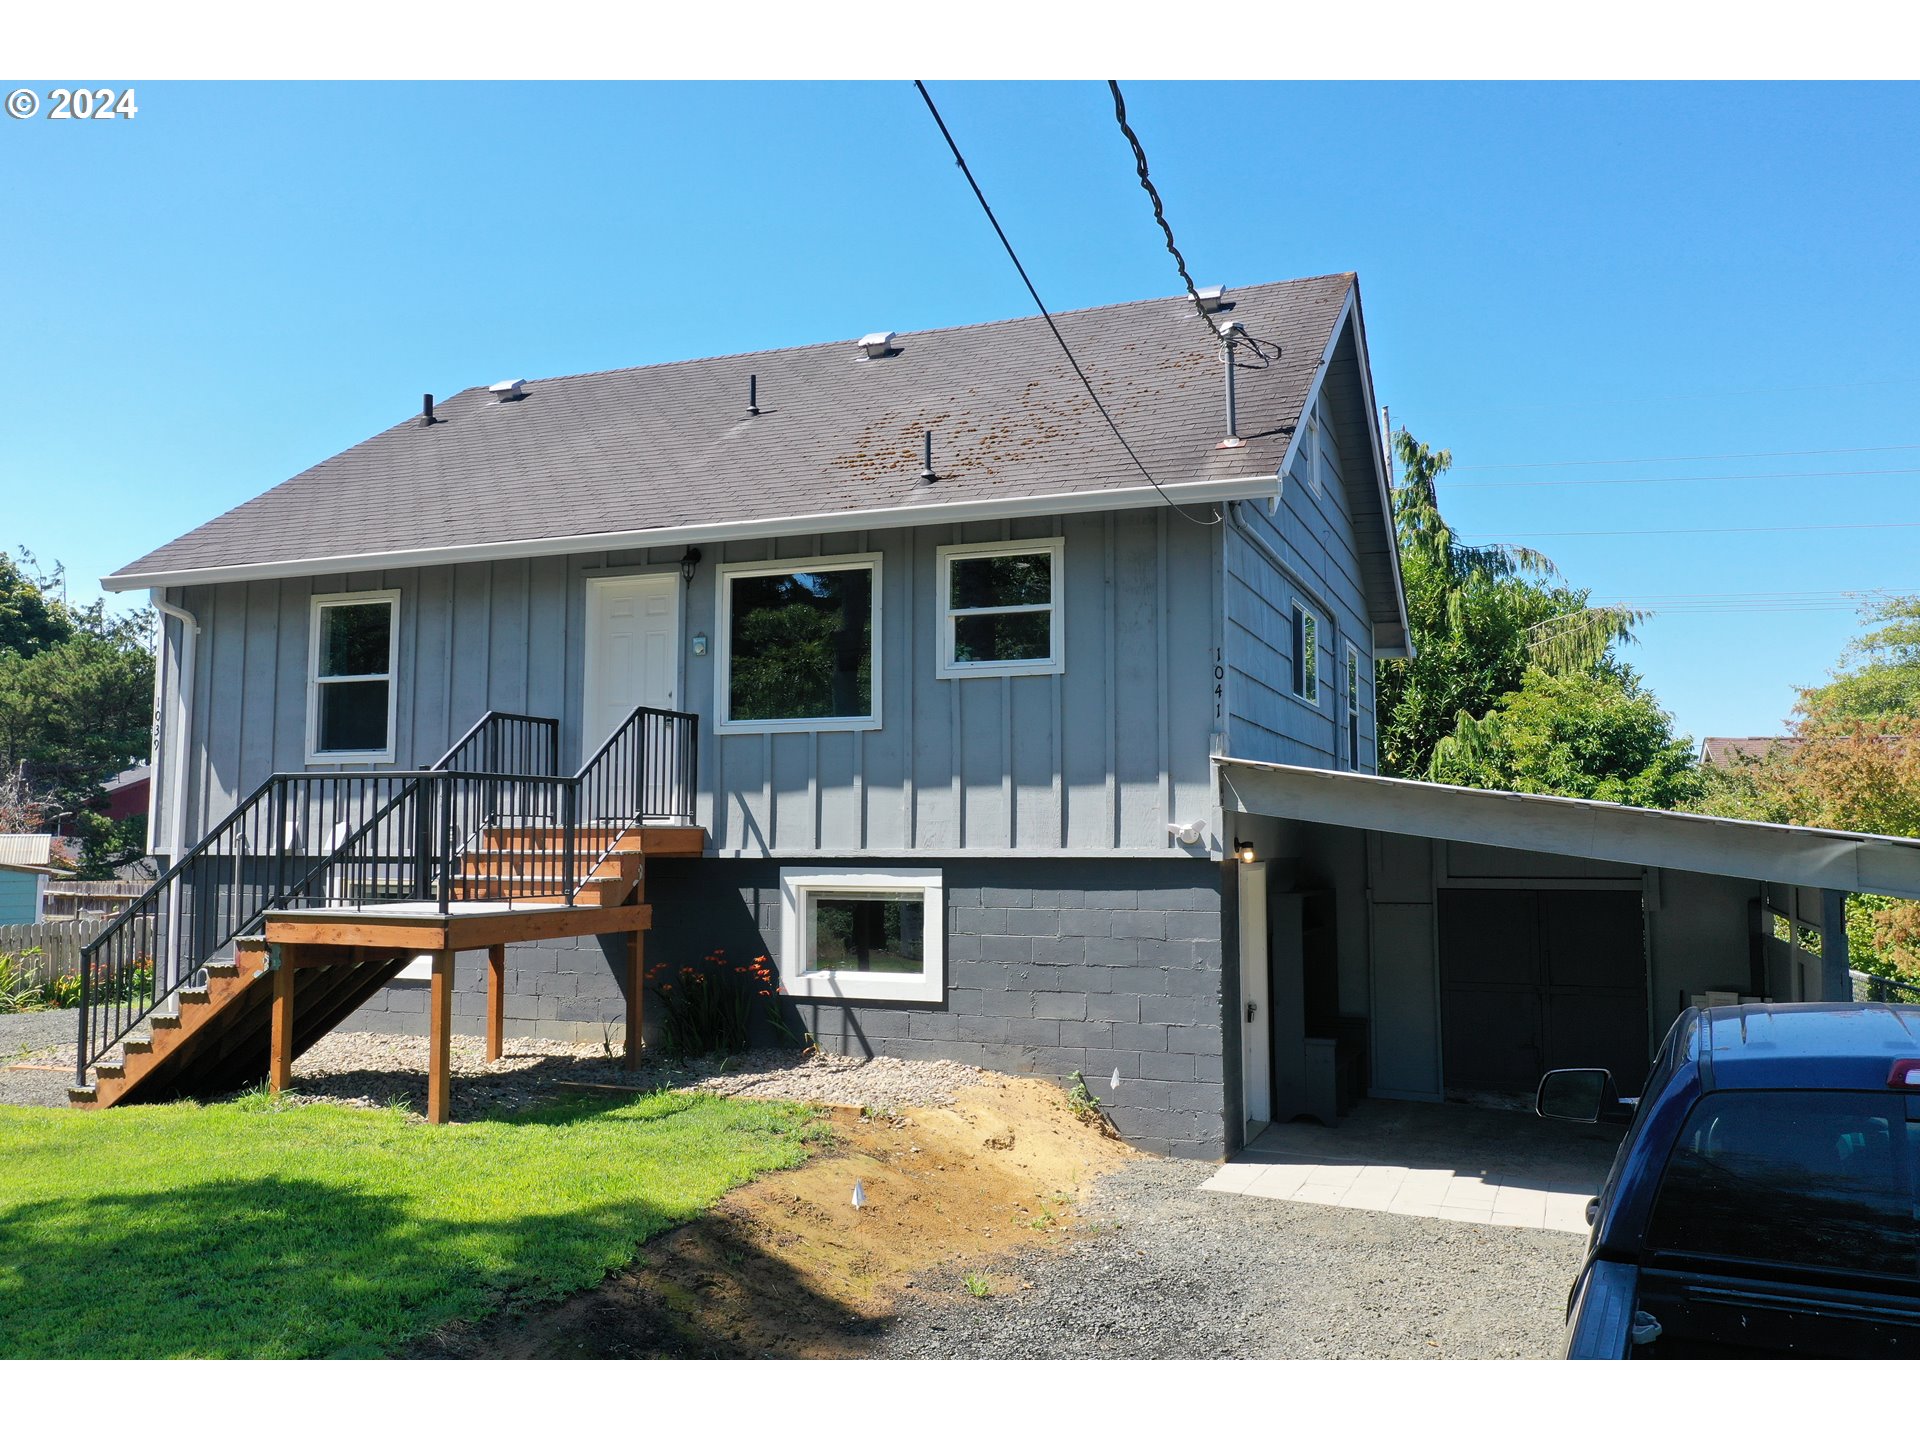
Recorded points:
(18,992)
(712,1006)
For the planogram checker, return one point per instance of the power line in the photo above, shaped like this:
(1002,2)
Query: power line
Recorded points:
(1720,530)
(1159,211)
(1664,479)
(1047,315)
(1676,459)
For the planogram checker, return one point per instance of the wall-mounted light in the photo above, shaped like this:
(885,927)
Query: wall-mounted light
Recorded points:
(688,563)
(1190,833)
(700,643)
(1243,849)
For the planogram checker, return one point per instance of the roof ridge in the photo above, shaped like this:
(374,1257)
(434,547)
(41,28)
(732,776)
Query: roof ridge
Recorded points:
(1032,316)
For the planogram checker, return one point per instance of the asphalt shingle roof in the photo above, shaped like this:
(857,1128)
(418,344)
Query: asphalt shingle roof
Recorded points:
(671,444)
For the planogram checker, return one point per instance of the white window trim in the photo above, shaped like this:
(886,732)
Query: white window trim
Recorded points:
(1350,711)
(799,881)
(948,668)
(724,576)
(317,604)
(1309,698)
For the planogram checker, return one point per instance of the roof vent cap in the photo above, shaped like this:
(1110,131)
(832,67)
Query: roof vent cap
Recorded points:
(878,345)
(1212,297)
(508,390)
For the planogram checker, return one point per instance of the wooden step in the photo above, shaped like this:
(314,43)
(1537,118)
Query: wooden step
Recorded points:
(545,866)
(541,891)
(552,839)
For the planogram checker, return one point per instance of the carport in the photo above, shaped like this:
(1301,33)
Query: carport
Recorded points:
(1412,941)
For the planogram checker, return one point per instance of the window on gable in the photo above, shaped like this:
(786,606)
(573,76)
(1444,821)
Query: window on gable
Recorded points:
(799,646)
(1353,708)
(866,935)
(1306,654)
(1001,609)
(350,691)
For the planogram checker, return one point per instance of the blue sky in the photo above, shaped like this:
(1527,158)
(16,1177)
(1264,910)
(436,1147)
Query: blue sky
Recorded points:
(245,279)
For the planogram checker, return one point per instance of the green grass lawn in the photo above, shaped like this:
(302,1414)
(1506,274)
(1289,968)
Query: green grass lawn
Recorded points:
(251,1228)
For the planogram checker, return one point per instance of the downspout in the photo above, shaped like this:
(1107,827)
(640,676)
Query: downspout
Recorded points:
(181,742)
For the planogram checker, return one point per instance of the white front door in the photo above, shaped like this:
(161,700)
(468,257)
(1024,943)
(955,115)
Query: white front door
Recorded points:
(633,651)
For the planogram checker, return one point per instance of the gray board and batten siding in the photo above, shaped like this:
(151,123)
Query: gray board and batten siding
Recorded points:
(1099,759)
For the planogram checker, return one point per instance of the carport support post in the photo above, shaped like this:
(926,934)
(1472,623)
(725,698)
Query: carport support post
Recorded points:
(440,1040)
(1836,973)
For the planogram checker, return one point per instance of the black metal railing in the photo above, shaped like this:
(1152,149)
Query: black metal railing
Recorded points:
(468,830)
(1885,989)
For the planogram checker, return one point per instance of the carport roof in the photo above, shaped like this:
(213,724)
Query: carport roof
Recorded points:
(1589,829)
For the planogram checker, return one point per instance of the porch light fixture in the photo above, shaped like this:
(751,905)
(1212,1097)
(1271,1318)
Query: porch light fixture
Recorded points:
(1189,833)
(1244,850)
(688,563)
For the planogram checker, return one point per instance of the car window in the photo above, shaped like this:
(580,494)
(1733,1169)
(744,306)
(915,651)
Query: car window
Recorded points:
(1820,1179)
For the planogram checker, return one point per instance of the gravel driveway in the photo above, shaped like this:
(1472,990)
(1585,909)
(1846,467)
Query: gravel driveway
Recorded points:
(29,1044)
(1163,1270)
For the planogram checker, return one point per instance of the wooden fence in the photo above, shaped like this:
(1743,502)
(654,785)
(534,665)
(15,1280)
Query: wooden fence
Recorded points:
(84,900)
(59,944)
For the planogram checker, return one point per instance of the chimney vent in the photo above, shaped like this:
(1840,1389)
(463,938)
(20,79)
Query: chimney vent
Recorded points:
(878,345)
(1212,297)
(508,390)
(426,409)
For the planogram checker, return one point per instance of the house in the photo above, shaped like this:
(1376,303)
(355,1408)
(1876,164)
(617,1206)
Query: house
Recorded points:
(1745,749)
(892,640)
(25,867)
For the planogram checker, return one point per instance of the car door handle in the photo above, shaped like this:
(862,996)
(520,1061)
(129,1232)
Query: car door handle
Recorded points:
(1593,1211)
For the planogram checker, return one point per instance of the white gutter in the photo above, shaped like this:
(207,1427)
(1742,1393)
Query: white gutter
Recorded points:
(992,507)
(180,741)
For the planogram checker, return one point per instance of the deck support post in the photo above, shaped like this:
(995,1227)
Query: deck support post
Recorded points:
(280,1058)
(440,1040)
(496,998)
(636,995)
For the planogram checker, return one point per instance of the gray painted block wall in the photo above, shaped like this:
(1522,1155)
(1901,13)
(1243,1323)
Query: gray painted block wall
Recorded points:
(1053,966)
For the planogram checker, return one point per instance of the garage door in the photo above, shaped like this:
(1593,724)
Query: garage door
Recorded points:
(1536,980)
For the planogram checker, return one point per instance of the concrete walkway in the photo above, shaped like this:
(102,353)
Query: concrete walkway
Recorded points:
(1446,1162)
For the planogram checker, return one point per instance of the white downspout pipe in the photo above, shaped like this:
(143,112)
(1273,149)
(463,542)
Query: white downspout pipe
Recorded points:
(180,738)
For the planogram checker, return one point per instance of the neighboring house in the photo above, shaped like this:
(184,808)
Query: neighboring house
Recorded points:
(1001,752)
(25,867)
(1738,749)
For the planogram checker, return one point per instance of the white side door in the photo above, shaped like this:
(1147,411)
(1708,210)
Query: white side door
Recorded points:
(1256,1033)
(633,651)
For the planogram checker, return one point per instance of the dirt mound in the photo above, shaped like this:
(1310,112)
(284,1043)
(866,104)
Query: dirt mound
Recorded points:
(788,1266)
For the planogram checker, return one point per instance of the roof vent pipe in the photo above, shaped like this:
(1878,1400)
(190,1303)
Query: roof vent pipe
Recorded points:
(753,394)
(1228,331)
(926,459)
(426,409)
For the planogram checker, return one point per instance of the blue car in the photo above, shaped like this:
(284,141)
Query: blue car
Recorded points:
(1764,1201)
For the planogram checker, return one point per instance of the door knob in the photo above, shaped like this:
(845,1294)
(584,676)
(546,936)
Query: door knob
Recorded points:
(1251,1007)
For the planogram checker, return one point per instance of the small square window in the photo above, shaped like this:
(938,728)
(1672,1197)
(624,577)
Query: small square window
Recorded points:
(865,935)
(1306,654)
(1001,610)
(350,678)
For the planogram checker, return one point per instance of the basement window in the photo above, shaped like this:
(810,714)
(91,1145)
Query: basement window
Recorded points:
(799,646)
(1306,654)
(1001,610)
(863,935)
(352,653)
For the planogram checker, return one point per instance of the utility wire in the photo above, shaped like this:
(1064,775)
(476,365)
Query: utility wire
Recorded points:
(1263,352)
(1047,315)
(1675,459)
(1721,530)
(1451,484)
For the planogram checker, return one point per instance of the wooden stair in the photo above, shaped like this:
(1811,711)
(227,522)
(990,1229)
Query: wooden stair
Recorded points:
(219,1041)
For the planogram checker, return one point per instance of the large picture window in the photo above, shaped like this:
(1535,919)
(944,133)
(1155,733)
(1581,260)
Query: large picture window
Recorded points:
(354,645)
(800,646)
(863,935)
(1001,610)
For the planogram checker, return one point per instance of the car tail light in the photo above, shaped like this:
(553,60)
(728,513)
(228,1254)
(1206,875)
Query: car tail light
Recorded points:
(1905,1075)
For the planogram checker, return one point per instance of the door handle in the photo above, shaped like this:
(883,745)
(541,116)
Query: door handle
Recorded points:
(1251,1007)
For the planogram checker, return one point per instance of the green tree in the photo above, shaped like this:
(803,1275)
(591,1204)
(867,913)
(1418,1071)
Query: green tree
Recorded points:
(1879,673)
(1493,626)
(1597,736)
(76,704)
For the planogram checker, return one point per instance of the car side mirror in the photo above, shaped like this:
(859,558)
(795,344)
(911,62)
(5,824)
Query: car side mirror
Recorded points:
(1585,1097)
